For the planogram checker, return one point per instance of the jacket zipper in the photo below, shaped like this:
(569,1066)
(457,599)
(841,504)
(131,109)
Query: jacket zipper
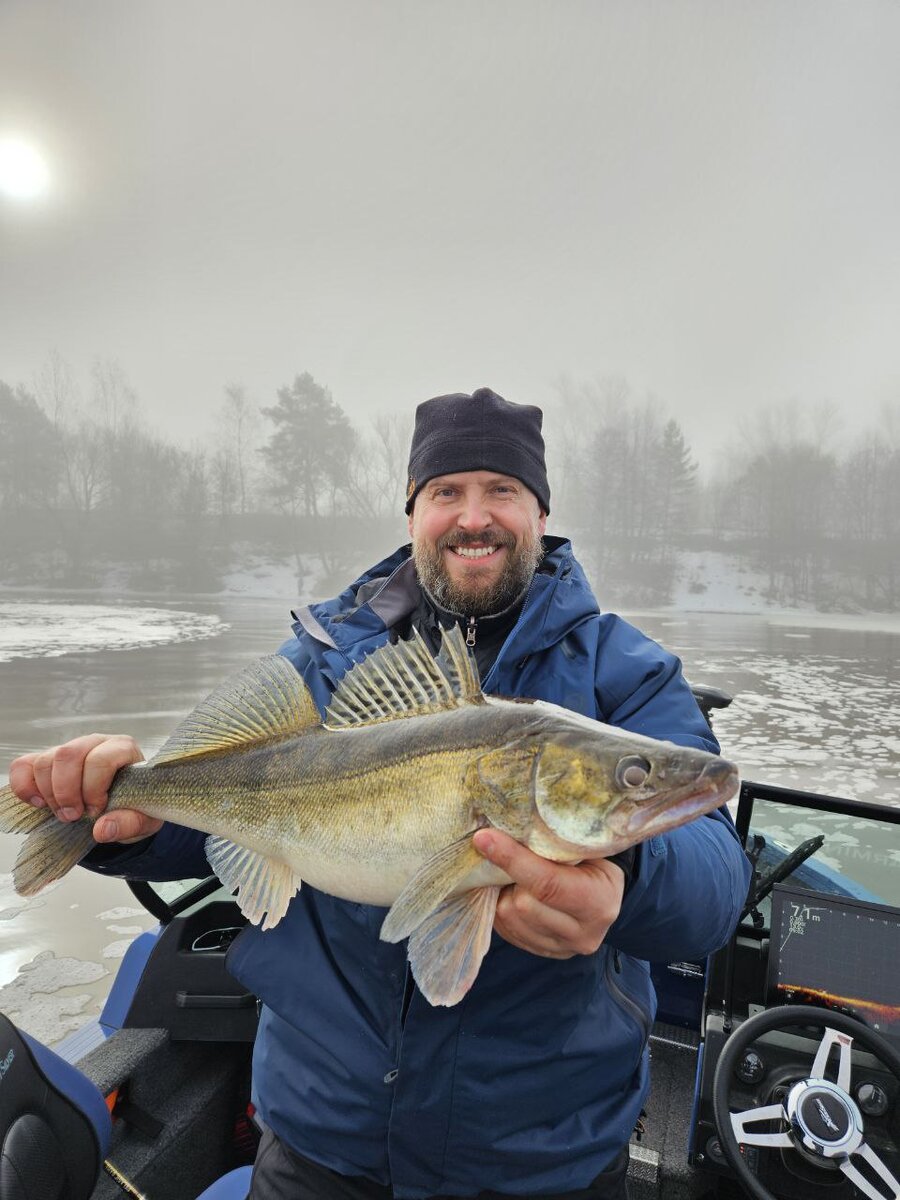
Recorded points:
(613,968)
(470,632)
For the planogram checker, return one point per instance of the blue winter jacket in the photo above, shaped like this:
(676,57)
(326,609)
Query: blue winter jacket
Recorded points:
(534,1082)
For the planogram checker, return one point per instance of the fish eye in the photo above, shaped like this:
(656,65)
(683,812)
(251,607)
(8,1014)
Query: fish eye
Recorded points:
(632,771)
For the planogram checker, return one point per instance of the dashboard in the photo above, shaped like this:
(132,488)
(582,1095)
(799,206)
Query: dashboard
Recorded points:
(821,928)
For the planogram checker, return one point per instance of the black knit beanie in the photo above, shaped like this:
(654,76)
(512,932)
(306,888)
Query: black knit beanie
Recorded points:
(481,432)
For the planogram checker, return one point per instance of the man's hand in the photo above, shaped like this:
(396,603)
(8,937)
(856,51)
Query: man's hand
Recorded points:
(552,909)
(74,778)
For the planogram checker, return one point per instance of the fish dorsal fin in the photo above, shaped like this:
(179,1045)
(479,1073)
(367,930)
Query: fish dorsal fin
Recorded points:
(266,700)
(406,680)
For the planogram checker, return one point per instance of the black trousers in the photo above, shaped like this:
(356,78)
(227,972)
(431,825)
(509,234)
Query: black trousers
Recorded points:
(279,1174)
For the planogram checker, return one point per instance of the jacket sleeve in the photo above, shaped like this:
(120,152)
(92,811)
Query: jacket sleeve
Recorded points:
(688,886)
(686,894)
(640,687)
(173,853)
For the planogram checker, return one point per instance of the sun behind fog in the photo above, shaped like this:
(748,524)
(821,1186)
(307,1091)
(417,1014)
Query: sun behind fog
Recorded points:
(23,172)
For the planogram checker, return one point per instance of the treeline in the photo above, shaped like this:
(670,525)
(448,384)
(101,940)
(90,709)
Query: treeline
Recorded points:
(814,514)
(91,496)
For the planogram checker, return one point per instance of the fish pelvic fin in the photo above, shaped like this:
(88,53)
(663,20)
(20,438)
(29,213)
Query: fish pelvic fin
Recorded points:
(267,700)
(447,949)
(51,848)
(406,680)
(264,886)
(430,885)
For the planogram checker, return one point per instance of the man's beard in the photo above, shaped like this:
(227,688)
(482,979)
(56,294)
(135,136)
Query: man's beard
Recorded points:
(473,596)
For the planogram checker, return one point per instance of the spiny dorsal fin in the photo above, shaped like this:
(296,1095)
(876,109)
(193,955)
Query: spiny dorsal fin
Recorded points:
(266,700)
(406,680)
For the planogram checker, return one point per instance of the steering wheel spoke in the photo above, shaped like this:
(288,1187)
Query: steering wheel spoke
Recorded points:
(819,1117)
(865,1185)
(844,1042)
(769,1112)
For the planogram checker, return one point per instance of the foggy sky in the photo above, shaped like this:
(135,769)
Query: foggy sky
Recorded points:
(405,198)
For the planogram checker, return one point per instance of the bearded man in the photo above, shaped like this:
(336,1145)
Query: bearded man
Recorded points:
(531,1085)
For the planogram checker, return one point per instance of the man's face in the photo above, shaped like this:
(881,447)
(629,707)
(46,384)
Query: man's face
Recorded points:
(476,539)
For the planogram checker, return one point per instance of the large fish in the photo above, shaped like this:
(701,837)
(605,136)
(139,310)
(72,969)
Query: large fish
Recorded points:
(379,803)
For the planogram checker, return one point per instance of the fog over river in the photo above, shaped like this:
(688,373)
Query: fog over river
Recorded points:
(815,706)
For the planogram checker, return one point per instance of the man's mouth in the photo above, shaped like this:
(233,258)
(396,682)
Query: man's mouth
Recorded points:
(471,552)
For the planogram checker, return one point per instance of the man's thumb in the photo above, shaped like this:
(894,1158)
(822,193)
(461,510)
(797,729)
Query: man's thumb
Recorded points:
(124,826)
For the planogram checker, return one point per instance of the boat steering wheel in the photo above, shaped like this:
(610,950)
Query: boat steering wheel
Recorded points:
(818,1117)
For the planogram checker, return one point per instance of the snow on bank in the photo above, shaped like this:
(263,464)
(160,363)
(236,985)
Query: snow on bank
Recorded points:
(722,583)
(262,578)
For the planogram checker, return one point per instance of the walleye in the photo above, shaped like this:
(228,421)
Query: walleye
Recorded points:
(378,803)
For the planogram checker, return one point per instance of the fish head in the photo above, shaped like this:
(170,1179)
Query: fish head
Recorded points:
(599,790)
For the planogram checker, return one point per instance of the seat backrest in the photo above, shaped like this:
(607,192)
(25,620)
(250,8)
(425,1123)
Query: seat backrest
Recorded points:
(54,1123)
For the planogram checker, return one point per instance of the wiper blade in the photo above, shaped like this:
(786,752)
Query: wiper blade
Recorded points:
(781,870)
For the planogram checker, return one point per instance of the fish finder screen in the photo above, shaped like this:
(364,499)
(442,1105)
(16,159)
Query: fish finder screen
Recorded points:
(833,952)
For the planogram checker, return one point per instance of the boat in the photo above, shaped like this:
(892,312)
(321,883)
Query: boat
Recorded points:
(775,1064)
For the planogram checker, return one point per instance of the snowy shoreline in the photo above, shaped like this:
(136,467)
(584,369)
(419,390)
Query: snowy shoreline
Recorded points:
(709,584)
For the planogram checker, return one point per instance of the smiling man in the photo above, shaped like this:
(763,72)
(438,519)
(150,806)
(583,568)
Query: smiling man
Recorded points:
(532,1084)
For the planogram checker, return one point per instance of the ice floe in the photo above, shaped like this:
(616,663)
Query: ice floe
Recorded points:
(36,629)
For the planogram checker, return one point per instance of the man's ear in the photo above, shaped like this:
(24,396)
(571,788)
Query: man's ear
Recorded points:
(409,522)
(542,522)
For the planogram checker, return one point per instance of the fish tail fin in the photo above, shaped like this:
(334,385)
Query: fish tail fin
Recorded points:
(18,817)
(51,848)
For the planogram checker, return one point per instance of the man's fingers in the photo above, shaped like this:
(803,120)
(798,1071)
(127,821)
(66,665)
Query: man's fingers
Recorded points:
(533,926)
(124,825)
(545,880)
(66,772)
(22,781)
(553,909)
(100,767)
(74,777)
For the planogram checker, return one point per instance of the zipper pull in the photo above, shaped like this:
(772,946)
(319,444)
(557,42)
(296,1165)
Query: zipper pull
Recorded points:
(470,632)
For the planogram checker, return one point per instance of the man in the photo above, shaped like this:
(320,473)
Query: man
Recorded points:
(533,1083)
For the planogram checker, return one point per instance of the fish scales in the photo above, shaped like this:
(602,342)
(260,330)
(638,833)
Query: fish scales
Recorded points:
(336,802)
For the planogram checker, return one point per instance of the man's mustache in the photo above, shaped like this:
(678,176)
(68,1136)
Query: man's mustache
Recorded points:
(496,537)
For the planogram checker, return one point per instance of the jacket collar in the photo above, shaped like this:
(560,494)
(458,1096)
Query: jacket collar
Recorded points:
(558,598)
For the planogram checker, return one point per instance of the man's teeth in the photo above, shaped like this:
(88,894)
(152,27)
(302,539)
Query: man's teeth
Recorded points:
(473,551)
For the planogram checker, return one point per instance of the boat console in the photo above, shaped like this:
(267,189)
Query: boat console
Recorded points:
(798,1063)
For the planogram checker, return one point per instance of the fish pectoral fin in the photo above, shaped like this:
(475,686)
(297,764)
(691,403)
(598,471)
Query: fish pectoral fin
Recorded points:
(431,884)
(263,886)
(446,951)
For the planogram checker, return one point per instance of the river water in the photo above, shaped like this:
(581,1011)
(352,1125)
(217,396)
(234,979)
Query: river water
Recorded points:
(816,706)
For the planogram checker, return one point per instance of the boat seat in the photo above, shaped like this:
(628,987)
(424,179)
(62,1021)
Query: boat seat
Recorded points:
(54,1123)
(55,1127)
(233,1186)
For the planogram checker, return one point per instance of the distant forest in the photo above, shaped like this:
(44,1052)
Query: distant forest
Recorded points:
(90,497)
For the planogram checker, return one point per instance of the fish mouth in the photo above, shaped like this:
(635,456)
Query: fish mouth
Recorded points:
(713,787)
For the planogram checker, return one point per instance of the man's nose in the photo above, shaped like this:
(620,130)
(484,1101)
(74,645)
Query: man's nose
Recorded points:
(474,514)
